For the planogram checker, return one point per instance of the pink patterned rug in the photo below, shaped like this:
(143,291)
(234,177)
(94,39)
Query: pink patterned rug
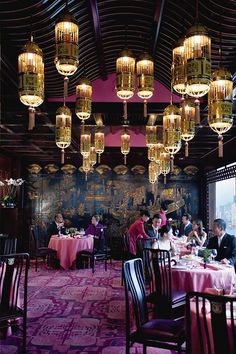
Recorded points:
(75,312)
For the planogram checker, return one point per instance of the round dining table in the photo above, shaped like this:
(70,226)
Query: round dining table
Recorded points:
(67,248)
(197,278)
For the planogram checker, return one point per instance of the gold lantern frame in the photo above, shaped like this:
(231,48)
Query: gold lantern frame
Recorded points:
(83,106)
(125,144)
(63,129)
(31,78)
(99,143)
(188,111)
(145,78)
(178,67)
(92,156)
(125,77)
(151,135)
(220,104)
(165,164)
(85,143)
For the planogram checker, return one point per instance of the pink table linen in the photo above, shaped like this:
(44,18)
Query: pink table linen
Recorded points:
(67,248)
(198,279)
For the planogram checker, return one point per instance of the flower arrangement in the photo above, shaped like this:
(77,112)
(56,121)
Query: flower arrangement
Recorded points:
(9,190)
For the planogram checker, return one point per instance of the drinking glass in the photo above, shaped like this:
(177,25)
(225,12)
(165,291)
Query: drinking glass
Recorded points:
(177,233)
(213,253)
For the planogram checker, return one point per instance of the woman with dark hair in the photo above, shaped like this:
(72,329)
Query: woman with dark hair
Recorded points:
(197,235)
(165,242)
(96,229)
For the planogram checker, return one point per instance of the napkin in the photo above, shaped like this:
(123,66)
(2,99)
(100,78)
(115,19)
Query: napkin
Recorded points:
(212,266)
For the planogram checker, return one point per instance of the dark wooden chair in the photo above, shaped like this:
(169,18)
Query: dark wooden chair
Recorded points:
(160,333)
(212,320)
(10,246)
(168,302)
(13,282)
(125,253)
(40,252)
(90,257)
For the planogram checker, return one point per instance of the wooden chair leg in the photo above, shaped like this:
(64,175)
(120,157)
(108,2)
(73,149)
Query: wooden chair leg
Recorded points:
(36,264)
(144,349)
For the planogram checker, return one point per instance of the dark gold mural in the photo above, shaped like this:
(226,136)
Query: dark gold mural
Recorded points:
(108,192)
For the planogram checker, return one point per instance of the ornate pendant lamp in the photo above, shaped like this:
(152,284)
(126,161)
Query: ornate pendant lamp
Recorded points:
(99,141)
(178,67)
(165,164)
(86,166)
(220,105)
(125,144)
(152,153)
(63,129)
(125,69)
(152,172)
(151,135)
(187,111)
(67,48)
(145,77)
(172,131)
(83,99)
(85,144)
(31,78)
(92,156)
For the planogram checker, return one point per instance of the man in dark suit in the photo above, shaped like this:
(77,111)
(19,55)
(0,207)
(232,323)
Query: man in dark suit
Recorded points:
(224,243)
(186,225)
(57,226)
(153,229)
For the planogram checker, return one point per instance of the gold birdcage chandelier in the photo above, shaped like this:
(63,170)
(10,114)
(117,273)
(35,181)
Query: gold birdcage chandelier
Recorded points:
(145,78)
(220,104)
(31,78)
(63,129)
(152,172)
(83,99)
(178,68)
(125,69)
(86,167)
(164,164)
(92,156)
(99,142)
(125,144)
(172,131)
(187,111)
(151,135)
(85,144)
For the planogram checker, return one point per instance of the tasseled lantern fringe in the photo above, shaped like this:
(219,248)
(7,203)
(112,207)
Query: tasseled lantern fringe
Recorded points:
(220,146)
(145,109)
(186,149)
(31,124)
(62,156)
(197,111)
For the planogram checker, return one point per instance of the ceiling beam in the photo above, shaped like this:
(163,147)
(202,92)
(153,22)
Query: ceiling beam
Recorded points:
(98,38)
(157,24)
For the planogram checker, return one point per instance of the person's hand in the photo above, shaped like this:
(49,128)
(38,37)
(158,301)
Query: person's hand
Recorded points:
(225,261)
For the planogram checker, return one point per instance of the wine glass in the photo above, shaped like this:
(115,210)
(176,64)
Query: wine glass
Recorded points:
(176,232)
(213,253)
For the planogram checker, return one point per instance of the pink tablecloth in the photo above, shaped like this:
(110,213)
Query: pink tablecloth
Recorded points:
(198,279)
(67,248)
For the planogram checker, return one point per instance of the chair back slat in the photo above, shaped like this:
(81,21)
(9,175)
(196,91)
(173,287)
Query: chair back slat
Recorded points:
(134,284)
(148,270)
(211,319)
(10,246)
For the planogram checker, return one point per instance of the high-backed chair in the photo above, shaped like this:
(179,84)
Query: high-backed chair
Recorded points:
(40,252)
(168,302)
(10,246)
(125,253)
(13,282)
(160,333)
(210,323)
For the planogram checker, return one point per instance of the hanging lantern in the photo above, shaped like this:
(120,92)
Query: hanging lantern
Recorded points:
(159,145)
(151,135)
(99,144)
(197,48)
(165,164)
(220,104)
(178,67)
(172,131)
(67,48)
(86,166)
(152,172)
(31,78)
(85,143)
(83,99)
(145,76)
(92,156)
(152,153)
(63,129)
(125,144)
(125,68)
(187,111)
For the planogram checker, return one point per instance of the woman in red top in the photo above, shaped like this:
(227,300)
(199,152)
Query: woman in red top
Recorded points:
(136,230)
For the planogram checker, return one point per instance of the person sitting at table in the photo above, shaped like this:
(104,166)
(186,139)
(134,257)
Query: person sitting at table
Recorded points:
(165,242)
(137,231)
(57,226)
(224,243)
(186,226)
(153,229)
(197,235)
(96,229)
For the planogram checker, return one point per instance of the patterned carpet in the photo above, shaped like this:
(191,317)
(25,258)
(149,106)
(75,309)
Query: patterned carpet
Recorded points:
(75,312)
